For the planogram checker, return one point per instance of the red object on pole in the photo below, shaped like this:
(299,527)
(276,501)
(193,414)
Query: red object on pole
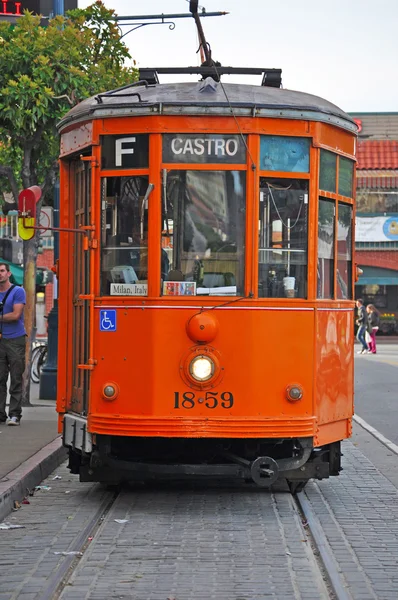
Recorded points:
(27,201)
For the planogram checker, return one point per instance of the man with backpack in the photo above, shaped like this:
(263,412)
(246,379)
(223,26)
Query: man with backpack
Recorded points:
(12,346)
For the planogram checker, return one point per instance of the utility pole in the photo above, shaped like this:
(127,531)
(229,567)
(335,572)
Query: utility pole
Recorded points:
(48,376)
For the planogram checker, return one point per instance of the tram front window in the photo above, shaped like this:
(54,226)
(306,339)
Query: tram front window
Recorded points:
(203,232)
(283,233)
(124,231)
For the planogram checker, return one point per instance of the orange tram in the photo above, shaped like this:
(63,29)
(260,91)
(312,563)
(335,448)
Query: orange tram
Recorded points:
(206,290)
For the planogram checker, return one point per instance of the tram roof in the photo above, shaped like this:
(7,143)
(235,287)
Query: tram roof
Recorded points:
(205,98)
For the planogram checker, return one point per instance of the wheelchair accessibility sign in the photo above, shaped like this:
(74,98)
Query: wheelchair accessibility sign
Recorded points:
(107,320)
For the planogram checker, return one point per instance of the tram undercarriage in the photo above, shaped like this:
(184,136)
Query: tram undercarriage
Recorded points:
(116,459)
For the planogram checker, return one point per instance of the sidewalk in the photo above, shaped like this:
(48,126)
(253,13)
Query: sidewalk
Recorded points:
(30,452)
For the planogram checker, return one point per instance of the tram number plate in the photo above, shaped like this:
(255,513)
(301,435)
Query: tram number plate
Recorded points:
(187,400)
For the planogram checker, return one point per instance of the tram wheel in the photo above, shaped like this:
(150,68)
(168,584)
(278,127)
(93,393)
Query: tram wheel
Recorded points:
(296,486)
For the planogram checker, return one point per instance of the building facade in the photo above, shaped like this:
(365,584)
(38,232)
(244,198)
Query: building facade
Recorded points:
(377,215)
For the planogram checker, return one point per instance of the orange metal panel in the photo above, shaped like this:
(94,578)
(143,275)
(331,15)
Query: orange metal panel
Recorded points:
(334,387)
(333,432)
(155,216)
(64,336)
(334,139)
(204,428)
(76,138)
(205,124)
(258,355)
(252,196)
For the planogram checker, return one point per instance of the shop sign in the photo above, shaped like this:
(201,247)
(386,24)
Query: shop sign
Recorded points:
(376,229)
(10,8)
(15,8)
(359,124)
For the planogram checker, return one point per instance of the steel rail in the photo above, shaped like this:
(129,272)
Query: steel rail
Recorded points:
(325,552)
(59,578)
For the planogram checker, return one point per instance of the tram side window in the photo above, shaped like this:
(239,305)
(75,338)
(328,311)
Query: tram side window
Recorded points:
(327,171)
(344,251)
(124,235)
(283,234)
(203,232)
(346,176)
(326,223)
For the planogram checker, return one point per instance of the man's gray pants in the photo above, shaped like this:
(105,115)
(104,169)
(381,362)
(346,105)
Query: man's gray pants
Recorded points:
(12,362)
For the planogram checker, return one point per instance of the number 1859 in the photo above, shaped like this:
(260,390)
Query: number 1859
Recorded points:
(211,400)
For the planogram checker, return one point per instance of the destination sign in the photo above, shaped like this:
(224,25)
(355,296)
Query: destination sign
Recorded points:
(204,148)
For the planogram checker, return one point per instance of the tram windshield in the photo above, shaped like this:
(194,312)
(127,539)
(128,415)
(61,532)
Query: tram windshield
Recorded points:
(283,233)
(203,232)
(124,217)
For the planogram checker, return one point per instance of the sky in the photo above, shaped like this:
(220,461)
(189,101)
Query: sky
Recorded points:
(345,51)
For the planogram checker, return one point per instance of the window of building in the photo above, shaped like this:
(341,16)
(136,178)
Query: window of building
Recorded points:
(373,294)
(283,233)
(203,232)
(377,202)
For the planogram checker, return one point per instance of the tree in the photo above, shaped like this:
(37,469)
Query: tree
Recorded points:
(44,71)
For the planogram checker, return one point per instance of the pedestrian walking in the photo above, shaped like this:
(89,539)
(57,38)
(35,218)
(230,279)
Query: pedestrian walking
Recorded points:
(12,345)
(362,322)
(373,327)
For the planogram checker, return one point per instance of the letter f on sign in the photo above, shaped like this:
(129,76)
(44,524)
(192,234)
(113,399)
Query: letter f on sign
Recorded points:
(119,150)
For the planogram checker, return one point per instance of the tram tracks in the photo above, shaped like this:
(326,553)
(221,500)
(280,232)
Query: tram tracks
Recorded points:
(61,576)
(317,555)
(326,555)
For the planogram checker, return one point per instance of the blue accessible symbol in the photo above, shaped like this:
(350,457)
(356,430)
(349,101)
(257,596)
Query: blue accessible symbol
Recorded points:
(107,320)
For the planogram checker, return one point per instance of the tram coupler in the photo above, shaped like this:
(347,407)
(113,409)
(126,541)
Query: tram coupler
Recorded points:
(263,470)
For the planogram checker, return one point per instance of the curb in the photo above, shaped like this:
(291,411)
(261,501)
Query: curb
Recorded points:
(15,484)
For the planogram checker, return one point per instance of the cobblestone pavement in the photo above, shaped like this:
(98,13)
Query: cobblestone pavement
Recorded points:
(198,543)
(358,512)
(223,544)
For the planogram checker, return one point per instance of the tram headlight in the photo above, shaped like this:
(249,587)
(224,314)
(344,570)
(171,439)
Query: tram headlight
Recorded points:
(202,368)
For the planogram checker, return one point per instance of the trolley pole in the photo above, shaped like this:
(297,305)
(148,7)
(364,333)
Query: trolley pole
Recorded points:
(48,376)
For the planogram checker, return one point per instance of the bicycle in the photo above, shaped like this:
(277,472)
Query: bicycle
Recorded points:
(39,357)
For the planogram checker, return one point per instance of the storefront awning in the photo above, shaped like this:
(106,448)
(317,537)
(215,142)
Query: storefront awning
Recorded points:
(377,276)
(43,276)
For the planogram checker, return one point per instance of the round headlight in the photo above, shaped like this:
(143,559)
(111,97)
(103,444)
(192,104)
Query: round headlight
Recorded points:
(202,368)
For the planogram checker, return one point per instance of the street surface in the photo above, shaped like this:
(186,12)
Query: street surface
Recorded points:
(376,388)
(223,542)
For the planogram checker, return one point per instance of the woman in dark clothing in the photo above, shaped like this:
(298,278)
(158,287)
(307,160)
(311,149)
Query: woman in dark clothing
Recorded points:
(373,327)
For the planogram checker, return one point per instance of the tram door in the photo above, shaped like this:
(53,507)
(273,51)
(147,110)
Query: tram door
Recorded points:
(81,203)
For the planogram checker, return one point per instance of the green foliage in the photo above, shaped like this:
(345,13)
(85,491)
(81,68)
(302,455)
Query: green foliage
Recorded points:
(44,71)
